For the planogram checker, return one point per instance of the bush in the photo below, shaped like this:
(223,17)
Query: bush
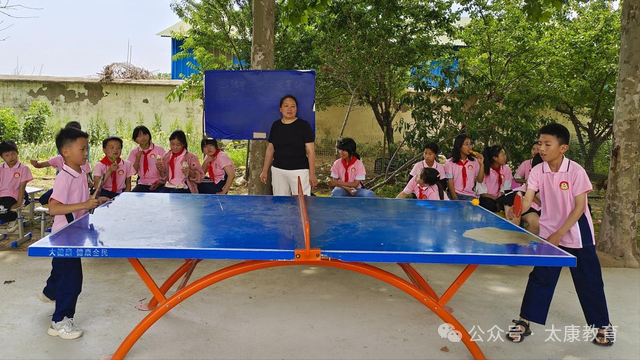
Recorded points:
(35,121)
(9,126)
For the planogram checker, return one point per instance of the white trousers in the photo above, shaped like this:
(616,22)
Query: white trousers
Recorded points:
(285,182)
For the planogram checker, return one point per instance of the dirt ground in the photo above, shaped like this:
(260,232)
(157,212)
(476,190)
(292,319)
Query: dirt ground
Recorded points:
(596,199)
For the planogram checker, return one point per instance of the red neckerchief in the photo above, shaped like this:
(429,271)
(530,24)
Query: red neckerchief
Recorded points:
(421,193)
(172,163)
(497,170)
(215,155)
(346,167)
(464,172)
(114,177)
(145,162)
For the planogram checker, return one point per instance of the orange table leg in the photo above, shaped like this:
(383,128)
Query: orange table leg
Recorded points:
(182,270)
(248,266)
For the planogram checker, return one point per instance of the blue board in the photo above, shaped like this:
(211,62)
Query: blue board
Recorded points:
(138,225)
(242,105)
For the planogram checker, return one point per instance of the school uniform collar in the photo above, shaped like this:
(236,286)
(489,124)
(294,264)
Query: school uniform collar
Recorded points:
(16,166)
(66,168)
(564,167)
(427,165)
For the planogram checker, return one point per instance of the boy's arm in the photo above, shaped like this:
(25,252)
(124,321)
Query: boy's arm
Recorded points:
(20,199)
(573,217)
(127,184)
(39,164)
(58,208)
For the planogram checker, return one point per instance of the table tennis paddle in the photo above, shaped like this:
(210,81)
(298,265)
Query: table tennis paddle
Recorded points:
(517,205)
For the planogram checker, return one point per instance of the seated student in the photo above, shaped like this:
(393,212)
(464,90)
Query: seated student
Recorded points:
(463,170)
(143,158)
(57,162)
(425,186)
(348,171)
(116,171)
(180,170)
(430,154)
(14,177)
(497,179)
(219,167)
(532,216)
(522,173)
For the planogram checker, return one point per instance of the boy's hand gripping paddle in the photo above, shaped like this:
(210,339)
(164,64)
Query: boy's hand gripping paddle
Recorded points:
(517,205)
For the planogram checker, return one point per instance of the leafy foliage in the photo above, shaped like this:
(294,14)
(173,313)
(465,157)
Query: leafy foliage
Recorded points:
(581,76)
(368,48)
(494,96)
(35,121)
(9,127)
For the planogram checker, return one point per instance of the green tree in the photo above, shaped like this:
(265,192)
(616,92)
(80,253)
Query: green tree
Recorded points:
(35,121)
(9,126)
(581,74)
(368,48)
(495,95)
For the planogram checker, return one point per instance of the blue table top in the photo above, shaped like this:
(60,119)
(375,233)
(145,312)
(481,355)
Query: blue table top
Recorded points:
(141,225)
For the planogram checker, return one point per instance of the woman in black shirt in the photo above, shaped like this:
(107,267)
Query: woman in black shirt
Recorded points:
(290,153)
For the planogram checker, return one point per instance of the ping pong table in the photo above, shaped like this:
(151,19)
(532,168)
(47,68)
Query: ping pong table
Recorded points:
(271,231)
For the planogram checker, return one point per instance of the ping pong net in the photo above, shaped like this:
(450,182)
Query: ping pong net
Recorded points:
(307,253)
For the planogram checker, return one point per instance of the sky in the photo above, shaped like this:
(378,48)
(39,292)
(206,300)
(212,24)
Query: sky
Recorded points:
(79,37)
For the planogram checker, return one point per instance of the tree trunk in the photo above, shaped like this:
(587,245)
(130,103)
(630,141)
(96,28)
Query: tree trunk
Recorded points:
(261,59)
(619,224)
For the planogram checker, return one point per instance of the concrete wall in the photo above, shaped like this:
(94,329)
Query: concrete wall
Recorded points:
(82,99)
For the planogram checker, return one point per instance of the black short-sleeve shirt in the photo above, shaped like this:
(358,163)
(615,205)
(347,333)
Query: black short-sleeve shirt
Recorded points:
(289,144)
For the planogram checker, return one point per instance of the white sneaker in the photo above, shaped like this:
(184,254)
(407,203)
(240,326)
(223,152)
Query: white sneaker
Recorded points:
(12,226)
(65,329)
(44,298)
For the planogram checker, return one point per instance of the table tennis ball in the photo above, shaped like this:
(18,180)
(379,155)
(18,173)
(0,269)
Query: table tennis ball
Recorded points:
(475,202)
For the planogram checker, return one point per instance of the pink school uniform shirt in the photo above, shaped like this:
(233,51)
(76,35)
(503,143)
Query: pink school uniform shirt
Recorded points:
(70,187)
(12,177)
(194,164)
(491,185)
(454,171)
(417,167)
(356,171)
(218,164)
(557,196)
(151,156)
(125,170)
(428,192)
(58,162)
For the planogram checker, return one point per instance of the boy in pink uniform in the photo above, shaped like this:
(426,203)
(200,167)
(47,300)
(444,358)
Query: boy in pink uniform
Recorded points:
(565,222)
(463,170)
(348,172)
(14,177)
(144,158)
(425,186)
(497,179)
(180,170)
(218,166)
(117,172)
(69,201)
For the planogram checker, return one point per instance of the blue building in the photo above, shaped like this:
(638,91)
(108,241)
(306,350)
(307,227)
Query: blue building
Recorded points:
(179,67)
